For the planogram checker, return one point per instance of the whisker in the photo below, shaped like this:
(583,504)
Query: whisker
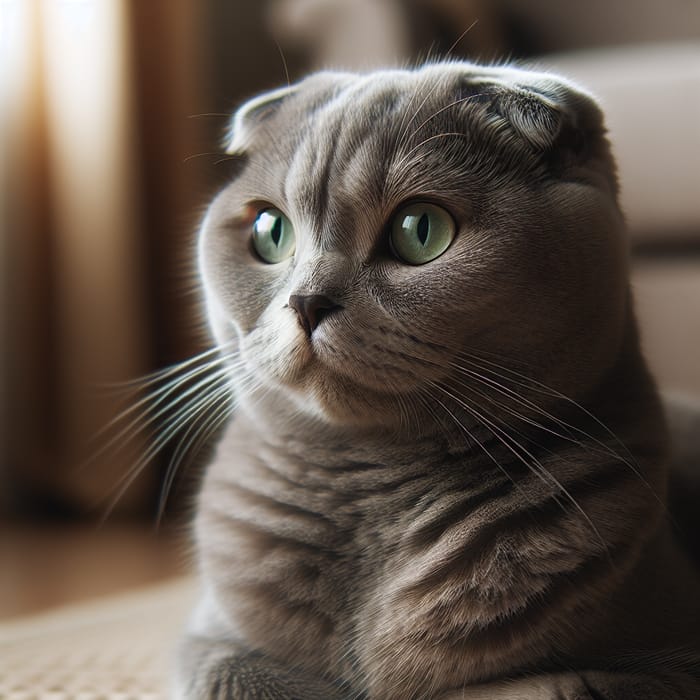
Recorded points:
(284,61)
(525,436)
(208,114)
(192,441)
(462,35)
(146,417)
(177,395)
(404,422)
(403,127)
(216,411)
(515,396)
(538,387)
(224,159)
(402,138)
(473,438)
(159,374)
(184,414)
(156,397)
(200,155)
(426,404)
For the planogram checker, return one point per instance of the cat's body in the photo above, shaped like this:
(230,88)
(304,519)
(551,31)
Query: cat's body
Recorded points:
(445,479)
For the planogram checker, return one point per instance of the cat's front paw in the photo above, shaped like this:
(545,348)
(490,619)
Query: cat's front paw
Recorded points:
(252,677)
(208,674)
(244,677)
(584,685)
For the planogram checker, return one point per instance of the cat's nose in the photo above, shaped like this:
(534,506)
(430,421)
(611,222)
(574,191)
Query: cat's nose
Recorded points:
(312,309)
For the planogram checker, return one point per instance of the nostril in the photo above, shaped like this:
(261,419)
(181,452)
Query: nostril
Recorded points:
(311,309)
(323,311)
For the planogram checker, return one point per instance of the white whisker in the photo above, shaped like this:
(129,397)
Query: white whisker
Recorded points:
(473,438)
(185,414)
(147,418)
(160,374)
(595,448)
(192,441)
(156,397)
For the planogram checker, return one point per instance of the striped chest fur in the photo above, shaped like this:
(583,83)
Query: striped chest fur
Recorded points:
(354,561)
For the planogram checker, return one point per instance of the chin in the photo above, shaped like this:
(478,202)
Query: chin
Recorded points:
(343,401)
(336,391)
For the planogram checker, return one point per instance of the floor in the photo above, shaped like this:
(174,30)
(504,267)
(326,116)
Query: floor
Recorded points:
(49,565)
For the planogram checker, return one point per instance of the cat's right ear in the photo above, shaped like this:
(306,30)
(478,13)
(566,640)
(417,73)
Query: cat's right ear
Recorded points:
(251,116)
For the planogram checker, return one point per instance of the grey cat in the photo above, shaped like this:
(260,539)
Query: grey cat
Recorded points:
(446,473)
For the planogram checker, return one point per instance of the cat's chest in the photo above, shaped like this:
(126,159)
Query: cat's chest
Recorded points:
(301,546)
(294,544)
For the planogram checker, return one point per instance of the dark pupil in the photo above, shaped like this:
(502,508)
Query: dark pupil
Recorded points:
(276,232)
(423,229)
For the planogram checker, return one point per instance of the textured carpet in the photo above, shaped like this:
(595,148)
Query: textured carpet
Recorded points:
(118,648)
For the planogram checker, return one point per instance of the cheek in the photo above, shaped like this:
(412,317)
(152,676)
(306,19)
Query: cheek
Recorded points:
(423,298)
(276,347)
(270,336)
(241,287)
(277,320)
(454,302)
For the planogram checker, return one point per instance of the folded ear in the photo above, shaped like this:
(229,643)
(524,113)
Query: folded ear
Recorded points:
(536,118)
(251,116)
(544,111)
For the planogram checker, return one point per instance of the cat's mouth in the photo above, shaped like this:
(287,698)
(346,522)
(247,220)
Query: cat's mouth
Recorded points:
(342,359)
(331,359)
(340,372)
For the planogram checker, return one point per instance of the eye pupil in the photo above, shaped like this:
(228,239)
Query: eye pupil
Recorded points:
(423,229)
(276,232)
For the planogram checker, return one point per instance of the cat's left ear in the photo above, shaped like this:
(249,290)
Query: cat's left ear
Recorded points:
(544,111)
(554,115)
(251,116)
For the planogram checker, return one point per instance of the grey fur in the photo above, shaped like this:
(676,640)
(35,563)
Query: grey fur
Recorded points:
(455,487)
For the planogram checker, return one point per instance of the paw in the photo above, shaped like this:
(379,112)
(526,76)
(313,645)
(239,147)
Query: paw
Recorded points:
(585,685)
(243,678)
(251,676)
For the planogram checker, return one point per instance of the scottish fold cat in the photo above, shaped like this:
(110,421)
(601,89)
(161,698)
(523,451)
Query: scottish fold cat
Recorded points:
(445,475)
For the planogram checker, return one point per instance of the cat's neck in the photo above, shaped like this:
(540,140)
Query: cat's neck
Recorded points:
(277,421)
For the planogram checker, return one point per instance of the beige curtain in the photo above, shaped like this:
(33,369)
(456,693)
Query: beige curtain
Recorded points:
(80,236)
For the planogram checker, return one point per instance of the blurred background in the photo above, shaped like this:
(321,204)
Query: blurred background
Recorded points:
(112,114)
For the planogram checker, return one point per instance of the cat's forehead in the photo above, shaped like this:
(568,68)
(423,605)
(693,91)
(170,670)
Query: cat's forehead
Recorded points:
(358,155)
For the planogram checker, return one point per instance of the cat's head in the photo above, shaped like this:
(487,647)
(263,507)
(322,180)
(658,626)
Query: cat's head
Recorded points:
(383,229)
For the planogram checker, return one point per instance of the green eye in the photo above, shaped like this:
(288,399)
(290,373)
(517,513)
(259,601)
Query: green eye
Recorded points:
(421,232)
(273,236)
